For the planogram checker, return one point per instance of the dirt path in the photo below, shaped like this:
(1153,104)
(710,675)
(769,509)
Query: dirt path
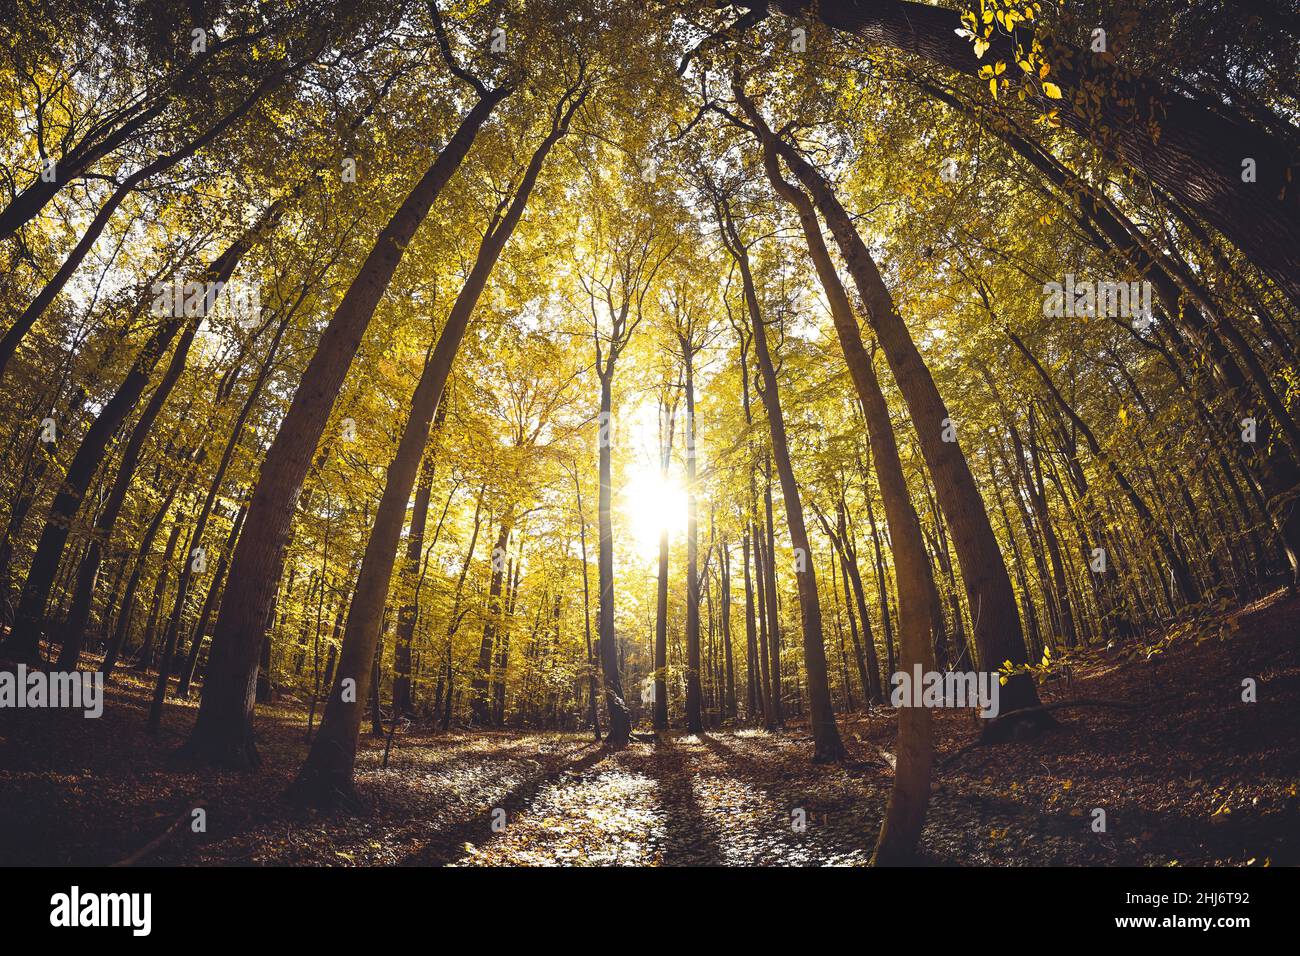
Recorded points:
(713,799)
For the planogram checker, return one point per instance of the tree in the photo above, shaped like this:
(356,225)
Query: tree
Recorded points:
(223,733)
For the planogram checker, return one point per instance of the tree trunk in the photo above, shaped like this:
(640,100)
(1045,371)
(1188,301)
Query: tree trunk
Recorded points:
(408,613)
(326,776)
(757,685)
(620,721)
(593,708)
(480,702)
(905,814)
(74,628)
(122,628)
(694,717)
(998,635)
(223,732)
(24,642)
(214,589)
(827,746)
(660,711)
(1182,573)
(729,689)
(769,587)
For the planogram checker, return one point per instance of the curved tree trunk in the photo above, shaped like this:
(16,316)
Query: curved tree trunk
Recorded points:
(905,814)
(827,746)
(223,732)
(88,571)
(24,642)
(1177,565)
(326,775)
(74,627)
(998,635)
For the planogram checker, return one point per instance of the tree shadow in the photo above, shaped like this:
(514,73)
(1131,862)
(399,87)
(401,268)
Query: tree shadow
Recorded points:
(690,840)
(834,826)
(446,845)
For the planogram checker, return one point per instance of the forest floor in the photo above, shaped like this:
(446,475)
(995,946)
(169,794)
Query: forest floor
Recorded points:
(1195,776)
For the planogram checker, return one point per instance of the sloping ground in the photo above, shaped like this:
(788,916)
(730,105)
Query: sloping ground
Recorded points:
(1195,776)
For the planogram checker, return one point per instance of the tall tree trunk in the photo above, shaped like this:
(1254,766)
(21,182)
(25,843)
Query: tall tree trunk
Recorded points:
(620,720)
(223,732)
(25,640)
(998,635)
(74,627)
(757,684)
(326,775)
(729,689)
(122,629)
(453,623)
(694,717)
(480,703)
(593,707)
(214,589)
(882,579)
(770,718)
(905,814)
(827,745)
(660,711)
(408,613)
(769,587)
(1182,573)
(755,610)
(145,658)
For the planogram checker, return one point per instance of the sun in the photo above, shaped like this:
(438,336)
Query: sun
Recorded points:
(652,504)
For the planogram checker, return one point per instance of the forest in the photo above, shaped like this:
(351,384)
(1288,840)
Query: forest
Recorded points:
(535,432)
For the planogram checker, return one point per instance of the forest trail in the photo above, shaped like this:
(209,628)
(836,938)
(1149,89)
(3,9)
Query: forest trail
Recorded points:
(1195,777)
(713,799)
